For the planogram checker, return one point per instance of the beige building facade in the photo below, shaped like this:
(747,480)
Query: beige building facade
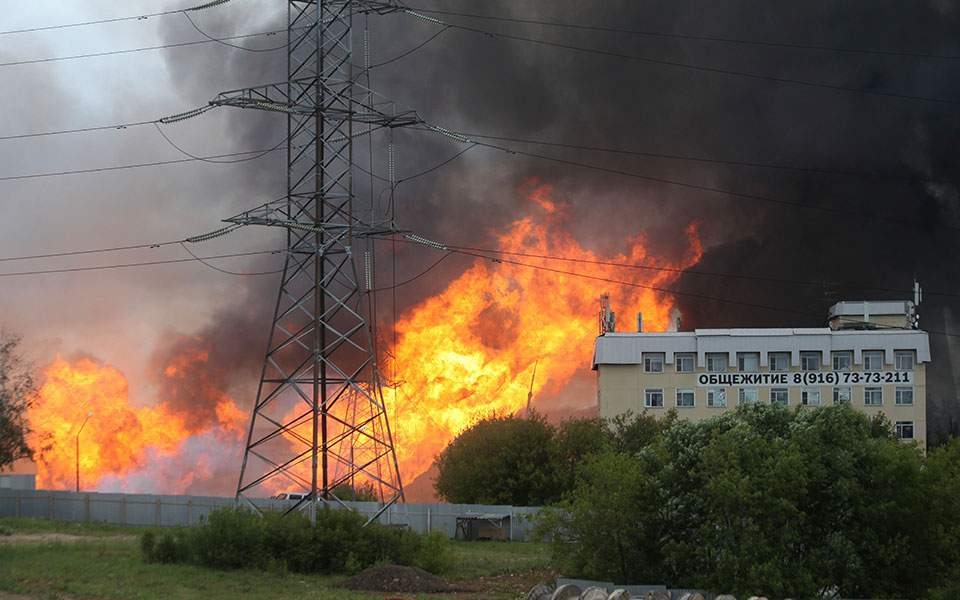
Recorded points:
(874,361)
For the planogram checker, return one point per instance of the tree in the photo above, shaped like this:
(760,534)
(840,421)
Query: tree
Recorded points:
(786,503)
(500,460)
(611,527)
(16,394)
(577,439)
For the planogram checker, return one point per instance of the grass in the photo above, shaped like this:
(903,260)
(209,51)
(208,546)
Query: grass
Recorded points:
(104,563)
(29,526)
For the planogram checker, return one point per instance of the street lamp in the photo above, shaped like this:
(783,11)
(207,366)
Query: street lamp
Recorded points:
(89,414)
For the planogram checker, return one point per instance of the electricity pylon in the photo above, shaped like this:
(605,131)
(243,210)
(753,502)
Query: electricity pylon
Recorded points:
(319,422)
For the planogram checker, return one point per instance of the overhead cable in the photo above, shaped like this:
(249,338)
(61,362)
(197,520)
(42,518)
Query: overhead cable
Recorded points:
(689,66)
(665,290)
(664,269)
(711,160)
(687,36)
(141,17)
(685,184)
(32,61)
(143,264)
(158,163)
(215,161)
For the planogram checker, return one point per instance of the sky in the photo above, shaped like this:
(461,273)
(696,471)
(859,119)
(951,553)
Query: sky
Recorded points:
(884,167)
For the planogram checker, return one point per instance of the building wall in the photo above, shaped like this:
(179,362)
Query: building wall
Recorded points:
(622,386)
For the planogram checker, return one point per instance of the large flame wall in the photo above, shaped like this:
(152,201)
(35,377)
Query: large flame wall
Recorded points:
(471,350)
(461,355)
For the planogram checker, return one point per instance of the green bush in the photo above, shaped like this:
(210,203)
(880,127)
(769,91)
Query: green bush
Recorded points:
(167,547)
(174,547)
(234,538)
(434,555)
(231,538)
(148,546)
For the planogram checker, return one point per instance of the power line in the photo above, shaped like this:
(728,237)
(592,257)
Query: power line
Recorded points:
(204,262)
(682,65)
(94,22)
(22,136)
(217,162)
(158,163)
(33,61)
(82,252)
(704,188)
(223,42)
(658,268)
(145,264)
(644,286)
(142,17)
(685,36)
(709,160)
(410,51)
(395,286)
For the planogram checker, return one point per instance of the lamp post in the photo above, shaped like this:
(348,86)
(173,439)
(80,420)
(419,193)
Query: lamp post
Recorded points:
(89,414)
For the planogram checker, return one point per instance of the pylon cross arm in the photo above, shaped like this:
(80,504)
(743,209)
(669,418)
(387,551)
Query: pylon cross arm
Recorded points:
(341,105)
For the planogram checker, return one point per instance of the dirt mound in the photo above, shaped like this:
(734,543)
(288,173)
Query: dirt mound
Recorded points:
(392,578)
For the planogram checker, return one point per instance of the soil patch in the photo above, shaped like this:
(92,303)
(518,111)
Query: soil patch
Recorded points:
(393,578)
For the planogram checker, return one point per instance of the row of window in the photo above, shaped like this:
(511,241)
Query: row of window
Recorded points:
(717,397)
(749,362)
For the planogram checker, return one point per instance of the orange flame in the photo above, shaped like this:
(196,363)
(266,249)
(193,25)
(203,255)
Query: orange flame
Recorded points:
(116,436)
(471,350)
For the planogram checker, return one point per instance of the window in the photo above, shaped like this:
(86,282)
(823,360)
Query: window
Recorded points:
(842,395)
(716,397)
(810,397)
(653,362)
(873,396)
(904,430)
(748,362)
(685,398)
(684,363)
(780,396)
(842,361)
(904,360)
(717,362)
(748,395)
(904,396)
(653,399)
(872,360)
(810,361)
(779,361)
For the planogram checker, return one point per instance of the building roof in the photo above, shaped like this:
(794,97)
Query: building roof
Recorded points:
(871,307)
(628,348)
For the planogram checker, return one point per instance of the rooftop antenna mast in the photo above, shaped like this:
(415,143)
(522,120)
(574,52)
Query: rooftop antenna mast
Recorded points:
(320,387)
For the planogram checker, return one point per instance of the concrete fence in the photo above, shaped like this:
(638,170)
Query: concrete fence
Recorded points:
(167,511)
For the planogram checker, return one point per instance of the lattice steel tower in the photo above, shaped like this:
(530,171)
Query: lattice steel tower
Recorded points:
(319,423)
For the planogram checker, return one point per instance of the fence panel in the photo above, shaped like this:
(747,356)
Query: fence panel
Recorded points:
(167,511)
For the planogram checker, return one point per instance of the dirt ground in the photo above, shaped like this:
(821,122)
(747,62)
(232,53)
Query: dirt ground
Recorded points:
(40,538)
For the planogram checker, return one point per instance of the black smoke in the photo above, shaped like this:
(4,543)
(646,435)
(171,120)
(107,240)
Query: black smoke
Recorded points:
(896,218)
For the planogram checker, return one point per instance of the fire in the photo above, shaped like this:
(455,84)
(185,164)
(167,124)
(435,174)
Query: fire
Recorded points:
(471,350)
(115,435)
(119,440)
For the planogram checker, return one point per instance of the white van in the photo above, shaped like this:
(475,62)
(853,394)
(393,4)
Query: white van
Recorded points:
(294,496)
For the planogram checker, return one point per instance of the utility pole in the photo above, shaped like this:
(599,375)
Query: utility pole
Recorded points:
(320,388)
(82,425)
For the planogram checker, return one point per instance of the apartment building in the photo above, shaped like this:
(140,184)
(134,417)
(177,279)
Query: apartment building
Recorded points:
(871,356)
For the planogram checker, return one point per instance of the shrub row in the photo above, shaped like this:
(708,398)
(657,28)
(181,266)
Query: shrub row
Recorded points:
(236,538)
